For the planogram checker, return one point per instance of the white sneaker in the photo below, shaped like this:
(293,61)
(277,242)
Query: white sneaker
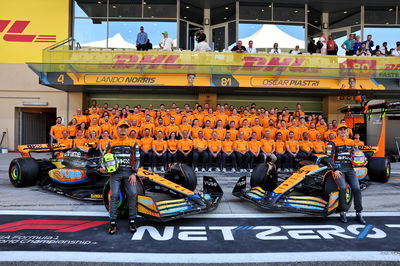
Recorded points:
(162,169)
(196,169)
(217,169)
(279,169)
(210,170)
(291,170)
(154,169)
(203,170)
(224,170)
(286,170)
(242,170)
(251,170)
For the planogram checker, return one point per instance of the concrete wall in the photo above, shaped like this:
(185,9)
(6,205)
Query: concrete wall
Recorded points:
(20,84)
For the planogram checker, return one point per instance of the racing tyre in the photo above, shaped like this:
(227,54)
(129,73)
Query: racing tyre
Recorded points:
(123,201)
(379,169)
(183,175)
(261,178)
(331,186)
(23,172)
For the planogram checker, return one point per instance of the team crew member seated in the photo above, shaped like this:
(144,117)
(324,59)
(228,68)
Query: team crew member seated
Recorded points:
(200,146)
(241,151)
(214,147)
(228,152)
(340,150)
(280,149)
(172,147)
(146,148)
(319,145)
(268,147)
(254,151)
(65,140)
(357,140)
(124,151)
(292,151)
(79,141)
(306,147)
(159,151)
(185,147)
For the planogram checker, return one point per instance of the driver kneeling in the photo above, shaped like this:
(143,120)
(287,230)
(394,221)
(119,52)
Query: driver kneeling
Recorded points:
(341,150)
(123,170)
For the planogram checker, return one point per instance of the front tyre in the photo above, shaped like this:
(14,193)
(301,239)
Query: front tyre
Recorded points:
(23,172)
(183,175)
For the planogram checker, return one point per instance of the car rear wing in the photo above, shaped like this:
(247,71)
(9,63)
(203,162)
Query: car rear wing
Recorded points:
(25,150)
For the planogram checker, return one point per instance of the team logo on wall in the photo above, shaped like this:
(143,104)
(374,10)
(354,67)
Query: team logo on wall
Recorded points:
(13,32)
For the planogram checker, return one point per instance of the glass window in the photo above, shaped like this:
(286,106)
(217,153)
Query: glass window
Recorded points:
(344,18)
(223,14)
(160,9)
(218,39)
(89,34)
(380,15)
(91,8)
(183,35)
(191,13)
(314,17)
(231,33)
(255,11)
(125,8)
(288,13)
(383,34)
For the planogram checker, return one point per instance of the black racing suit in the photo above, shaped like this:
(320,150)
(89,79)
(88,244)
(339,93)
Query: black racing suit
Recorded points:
(340,153)
(128,158)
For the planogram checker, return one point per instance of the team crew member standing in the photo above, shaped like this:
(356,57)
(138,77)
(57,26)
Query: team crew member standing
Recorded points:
(124,151)
(340,150)
(56,131)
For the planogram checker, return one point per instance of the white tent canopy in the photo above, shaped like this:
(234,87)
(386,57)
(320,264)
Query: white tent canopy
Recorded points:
(268,34)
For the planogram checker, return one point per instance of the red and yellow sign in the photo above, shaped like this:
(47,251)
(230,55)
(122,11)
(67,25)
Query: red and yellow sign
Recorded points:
(27,27)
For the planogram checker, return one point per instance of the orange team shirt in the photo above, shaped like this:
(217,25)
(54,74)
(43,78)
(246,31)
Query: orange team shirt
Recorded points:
(113,132)
(72,130)
(235,119)
(241,145)
(227,145)
(159,145)
(153,113)
(147,125)
(186,127)
(312,134)
(220,133)
(207,132)
(172,128)
(285,133)
(306,146)
(122,141)
(146,143)
(166,120)
(328,132)
(214,145)
(292,145)
(96,129)
(92,142)
(90,118)
(234,133)
(319,146)
(160,128)
(199,117)
(80,119)
(212,120)
(80,142)
(267,144)
(137,117)
(254,145)
(223,117)
(137,130)
(359,143)
(296,132)
(280,146)
(264,121)
(272,131)
(259,130)
(172,144)
(322,129)
(343,141)
(195,132)
(67,142)
(106,127)
(178,119)
(57,130)
(249,120)
(185,144)
(200,143)
(104,143)
(302,130)
(246,132)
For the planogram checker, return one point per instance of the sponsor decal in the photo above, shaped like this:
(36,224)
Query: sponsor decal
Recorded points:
(13,32)
(61,226)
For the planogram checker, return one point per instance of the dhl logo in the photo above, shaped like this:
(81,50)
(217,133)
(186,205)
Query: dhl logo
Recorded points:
(15,30)
(149,61)
(258,63)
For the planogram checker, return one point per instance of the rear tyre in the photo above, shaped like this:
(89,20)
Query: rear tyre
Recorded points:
(23,172)
(330,186)
(183,175)
(263,176)
(379,169)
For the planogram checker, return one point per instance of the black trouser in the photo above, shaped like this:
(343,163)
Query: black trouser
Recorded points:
(232,157)
(216,160)
(302,155)
(242,160)
(333,52)
(290,159)
(350,52)
(349,176)
(141,47)
(185,159)
(204,158)
(146,158)
(163,158)
(281,160)
(254,159)
(118,178)
(172,157)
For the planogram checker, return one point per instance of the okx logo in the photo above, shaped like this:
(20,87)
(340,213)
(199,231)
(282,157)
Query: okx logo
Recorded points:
(13,32)
(65,226)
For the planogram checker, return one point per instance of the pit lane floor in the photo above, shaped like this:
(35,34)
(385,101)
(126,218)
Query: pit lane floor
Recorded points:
(235,232)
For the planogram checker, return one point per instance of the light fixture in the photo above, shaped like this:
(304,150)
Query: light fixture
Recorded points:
(387,23)
(226,8)
(262,10)
(296,11)
(344,12)
(390,9)
(184,17)
(270,6)
(206,21)
(308,11)
(357,22)
(256,18)
(187,6)
(144,3)
(315,21)
(114,7)
(35,103)
(149,7)
(324,25)
(99,2)
(225,18)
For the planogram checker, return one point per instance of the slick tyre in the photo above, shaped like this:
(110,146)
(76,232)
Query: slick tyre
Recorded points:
(23,172)
(261,178)
(183,175)
(330,186)
(379,169)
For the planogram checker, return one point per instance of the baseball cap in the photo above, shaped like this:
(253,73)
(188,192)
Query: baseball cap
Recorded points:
(341,126)
(123,123)
(165,32)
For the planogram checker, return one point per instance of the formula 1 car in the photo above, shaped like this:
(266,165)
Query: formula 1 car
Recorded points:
(75,174)
(311,189)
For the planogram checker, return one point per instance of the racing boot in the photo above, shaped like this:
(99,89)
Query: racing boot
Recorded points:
(132,226)
(112,228)
(360,218)
(343,217)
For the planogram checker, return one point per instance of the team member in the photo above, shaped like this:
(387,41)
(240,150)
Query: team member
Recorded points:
(172,146)
(228,152)
(233,132)
(319,145)
(340,150)
(214,147)
(268,147)
(95,127)
(159,151)
(306,146)
(185,147)
(200,146)
(292,150)
(124,152)
(254,151)
(241,148)
(56,131)
(65,140)
(79,141)
(246,130)
(357,140)
(105,139)
(146,147)
(72,128)
(280,149)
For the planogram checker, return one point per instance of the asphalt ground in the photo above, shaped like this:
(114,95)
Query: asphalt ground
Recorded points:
(379,200)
